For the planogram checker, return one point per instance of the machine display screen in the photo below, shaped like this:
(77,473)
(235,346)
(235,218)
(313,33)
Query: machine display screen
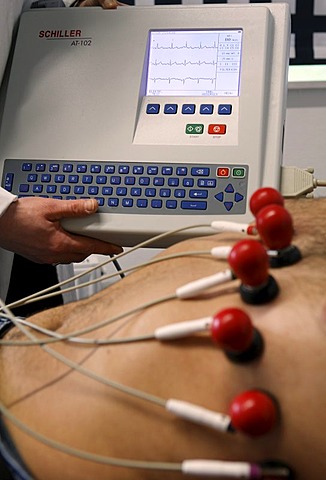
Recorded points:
(194,63)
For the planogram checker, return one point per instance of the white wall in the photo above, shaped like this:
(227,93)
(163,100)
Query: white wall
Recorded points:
(305,127)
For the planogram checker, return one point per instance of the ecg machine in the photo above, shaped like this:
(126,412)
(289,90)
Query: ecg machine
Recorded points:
(170,116)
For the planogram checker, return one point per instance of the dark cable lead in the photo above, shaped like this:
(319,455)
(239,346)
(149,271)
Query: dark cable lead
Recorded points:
(274,470)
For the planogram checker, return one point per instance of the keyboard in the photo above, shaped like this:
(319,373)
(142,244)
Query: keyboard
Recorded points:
(134,187)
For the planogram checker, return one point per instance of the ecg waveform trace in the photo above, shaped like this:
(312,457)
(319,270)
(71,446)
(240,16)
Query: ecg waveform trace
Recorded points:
(194,63)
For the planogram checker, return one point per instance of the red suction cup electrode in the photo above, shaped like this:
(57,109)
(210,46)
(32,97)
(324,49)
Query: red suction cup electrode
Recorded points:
(249,261)
(233,331)
(254,413)
(275,227)
(264,196)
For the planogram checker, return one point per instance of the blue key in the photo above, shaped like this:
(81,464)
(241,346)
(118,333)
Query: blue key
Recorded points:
(186,205)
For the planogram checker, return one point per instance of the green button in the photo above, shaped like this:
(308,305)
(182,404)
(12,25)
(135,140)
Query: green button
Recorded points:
(194,128)
(238,172)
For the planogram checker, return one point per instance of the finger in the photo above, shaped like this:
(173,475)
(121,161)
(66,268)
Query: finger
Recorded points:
(73,258)
(80,254)
(108,4)
(73,208)
(83,245)
(102,248)
(88,3)
(74,251)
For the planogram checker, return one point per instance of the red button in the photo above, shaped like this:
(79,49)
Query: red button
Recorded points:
(223,172)
(216,129)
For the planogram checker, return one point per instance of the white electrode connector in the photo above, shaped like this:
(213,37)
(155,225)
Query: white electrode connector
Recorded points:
(200,415)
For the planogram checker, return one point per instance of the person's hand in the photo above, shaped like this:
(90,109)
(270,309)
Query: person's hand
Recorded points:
(31,227)
(100,3)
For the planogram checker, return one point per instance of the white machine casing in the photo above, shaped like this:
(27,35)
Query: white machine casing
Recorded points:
(80,95)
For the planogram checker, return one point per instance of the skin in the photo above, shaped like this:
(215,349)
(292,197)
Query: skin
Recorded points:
(31,227)
(83,413)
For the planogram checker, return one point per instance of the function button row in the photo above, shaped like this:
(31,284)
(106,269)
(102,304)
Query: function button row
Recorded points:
(120,169)
(189,109)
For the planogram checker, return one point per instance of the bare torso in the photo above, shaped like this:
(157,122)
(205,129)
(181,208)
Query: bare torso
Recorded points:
(78,411)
